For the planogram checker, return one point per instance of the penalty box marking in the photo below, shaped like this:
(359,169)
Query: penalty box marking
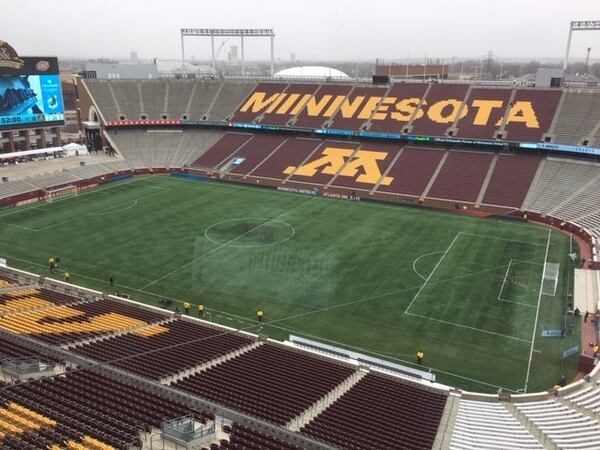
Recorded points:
(500,299)
(111,185)
(362,300)
(407,310)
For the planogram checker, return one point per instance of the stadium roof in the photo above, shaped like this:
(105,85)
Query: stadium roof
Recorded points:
(311,72)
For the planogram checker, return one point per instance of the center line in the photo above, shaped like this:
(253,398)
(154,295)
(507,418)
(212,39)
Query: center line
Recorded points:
(204,255)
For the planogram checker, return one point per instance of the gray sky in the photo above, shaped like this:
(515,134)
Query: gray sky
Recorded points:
(313,29)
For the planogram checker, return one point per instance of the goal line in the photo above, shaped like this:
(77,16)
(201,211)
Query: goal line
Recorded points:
(66,191)
(550,281)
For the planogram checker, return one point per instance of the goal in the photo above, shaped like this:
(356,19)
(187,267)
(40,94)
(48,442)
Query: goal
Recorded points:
(52,194)
(550,281)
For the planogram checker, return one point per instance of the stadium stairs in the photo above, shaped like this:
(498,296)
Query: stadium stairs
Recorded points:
(306,416)
(135,329)
(209,364)
(326,398)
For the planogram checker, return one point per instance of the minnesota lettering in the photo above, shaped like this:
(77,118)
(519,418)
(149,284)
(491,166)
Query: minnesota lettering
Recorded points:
(390,108)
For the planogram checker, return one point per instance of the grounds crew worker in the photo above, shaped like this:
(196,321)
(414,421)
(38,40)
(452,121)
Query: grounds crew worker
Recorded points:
(187,306)
(201,310)
(420,356)
(259,314)
(67,276)
(51,262)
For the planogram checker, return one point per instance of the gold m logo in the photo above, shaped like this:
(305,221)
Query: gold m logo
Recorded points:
(53,319)
(360,164)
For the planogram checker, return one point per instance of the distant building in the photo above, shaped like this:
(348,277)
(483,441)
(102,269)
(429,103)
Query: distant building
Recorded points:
(293,58)
(549,77)
(232,56)
(412,70)
(174,68)
(116,70)
(133,57)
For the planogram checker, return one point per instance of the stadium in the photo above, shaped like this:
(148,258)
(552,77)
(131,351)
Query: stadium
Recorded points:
(283,263)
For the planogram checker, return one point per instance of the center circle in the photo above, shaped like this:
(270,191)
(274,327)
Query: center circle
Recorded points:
(249,232)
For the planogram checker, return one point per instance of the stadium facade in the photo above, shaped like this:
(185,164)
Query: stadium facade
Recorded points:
(119,375)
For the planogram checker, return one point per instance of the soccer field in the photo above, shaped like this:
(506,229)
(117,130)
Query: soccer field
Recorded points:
(379,279)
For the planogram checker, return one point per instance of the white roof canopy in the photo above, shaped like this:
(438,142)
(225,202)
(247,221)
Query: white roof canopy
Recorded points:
(311,72)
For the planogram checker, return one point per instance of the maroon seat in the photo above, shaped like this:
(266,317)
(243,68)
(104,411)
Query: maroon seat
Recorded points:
(222,150)
(461,176)
(404,95)
(380,412)
(291,154)
(436,119)
(206,343)
(268,89)
(511,179)
(271,382)
(412,171)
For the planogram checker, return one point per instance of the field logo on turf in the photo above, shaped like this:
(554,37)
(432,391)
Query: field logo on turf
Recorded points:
(363,166)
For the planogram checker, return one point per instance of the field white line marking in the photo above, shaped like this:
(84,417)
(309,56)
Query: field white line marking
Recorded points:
(91,191)
(527,262)
(382,295)
(500,239)
(225,244)
(214,241)
(296,316)
(504,281)
(19,226)
(537,312)
(109,210)
(460,325)
(517,303)
(418,259)
(387,356)
(112,209)
(430,275)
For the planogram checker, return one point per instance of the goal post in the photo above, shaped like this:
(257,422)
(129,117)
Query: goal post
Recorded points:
(550,281)
(66,191)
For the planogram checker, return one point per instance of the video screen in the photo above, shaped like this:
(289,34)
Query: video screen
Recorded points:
(30,100)
(31,96)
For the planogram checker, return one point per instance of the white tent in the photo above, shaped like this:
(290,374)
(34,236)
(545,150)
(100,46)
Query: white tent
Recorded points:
(73,149)
(68,150)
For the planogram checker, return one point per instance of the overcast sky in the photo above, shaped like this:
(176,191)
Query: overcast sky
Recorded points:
(313,29)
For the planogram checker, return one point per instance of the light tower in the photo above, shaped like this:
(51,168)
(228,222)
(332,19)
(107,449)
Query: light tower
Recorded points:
(579,25)
(587,59)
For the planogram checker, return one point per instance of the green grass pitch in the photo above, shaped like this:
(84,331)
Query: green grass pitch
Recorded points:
(380,279)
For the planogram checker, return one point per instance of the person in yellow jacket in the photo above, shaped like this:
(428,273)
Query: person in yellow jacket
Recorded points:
(596,349)
(260,314)
(187,307)
(67,277)
(201,310)
(51,263)
(420,356)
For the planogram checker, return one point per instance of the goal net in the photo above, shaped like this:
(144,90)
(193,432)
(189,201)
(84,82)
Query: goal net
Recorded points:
(52,194)
(550,281)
